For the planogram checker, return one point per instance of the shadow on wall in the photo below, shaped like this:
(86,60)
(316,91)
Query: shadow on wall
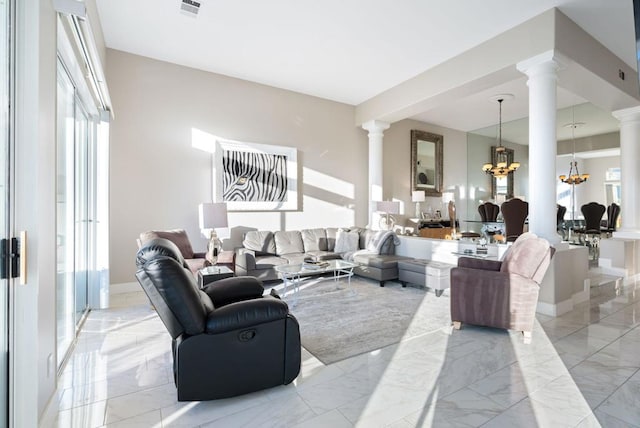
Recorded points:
(236,236)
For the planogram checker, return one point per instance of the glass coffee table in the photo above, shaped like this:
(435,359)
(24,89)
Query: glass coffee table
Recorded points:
(292,273)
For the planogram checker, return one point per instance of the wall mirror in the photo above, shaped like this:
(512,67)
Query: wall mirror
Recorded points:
(502,187)
(426,162)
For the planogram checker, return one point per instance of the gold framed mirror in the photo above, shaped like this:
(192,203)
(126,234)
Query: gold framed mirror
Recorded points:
(426,162)
(502,185)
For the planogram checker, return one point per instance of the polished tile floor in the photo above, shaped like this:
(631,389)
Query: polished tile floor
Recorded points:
(582,370)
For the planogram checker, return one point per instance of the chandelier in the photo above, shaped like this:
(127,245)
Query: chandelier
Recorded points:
(574,176)
(502,168)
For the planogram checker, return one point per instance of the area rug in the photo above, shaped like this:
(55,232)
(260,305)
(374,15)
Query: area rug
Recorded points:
(338,321)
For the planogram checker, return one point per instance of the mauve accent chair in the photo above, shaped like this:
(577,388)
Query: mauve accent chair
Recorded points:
(195,261)
(514,212)
(502,294)
(228,339)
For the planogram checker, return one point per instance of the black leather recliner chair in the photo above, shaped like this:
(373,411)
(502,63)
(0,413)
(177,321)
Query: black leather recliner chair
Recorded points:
(228,339)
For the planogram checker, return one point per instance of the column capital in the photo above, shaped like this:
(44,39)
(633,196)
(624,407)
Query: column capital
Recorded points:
(375,126)
(547,62)
(628,114)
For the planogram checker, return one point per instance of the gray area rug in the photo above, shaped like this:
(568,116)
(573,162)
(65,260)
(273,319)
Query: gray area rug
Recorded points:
(338,321)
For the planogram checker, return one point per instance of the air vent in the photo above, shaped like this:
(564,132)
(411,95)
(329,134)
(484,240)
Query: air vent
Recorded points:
(190,7)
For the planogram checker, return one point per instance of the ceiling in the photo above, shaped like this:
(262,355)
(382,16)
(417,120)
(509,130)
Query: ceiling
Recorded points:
(350,51)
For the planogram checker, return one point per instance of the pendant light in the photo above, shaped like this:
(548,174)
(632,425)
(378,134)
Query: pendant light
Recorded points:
(502,168)
(574,176)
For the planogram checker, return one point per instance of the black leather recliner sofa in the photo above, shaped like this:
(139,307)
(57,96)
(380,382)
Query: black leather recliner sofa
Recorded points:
(228,339)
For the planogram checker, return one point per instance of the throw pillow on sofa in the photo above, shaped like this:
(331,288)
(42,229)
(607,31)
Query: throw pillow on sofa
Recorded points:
(346,242)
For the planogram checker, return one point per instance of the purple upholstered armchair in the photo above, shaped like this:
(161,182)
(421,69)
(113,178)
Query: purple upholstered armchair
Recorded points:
(501,294)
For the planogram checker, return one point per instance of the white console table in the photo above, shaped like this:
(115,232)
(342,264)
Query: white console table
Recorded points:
(443,250)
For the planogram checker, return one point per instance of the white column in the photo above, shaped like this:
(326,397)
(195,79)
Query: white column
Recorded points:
(630,172)
(542,73)
(376,130)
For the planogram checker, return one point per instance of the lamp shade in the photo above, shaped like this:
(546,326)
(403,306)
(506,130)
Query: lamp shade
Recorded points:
(212,215)
(389,207)
(417,196)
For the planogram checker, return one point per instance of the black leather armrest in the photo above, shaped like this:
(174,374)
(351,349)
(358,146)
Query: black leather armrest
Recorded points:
(199,255)
(229,290)
(473,263)
(246,314)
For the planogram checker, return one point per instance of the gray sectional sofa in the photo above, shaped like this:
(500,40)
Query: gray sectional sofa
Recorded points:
(262,251)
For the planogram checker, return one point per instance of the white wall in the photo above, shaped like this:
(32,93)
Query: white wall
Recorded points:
(593,190)
(34,317)
(158,178)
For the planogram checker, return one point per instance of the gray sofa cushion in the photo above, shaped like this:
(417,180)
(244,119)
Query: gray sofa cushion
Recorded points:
(332,232)
(269,262)
(314,240)
(294,258)
(260,241)
(288,242)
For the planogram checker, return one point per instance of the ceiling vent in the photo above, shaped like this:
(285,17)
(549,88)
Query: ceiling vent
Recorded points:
(190,7)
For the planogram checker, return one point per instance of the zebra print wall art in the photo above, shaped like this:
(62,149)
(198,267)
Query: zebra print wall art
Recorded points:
(255,177)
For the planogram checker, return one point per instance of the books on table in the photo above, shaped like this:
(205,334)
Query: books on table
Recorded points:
(311,264)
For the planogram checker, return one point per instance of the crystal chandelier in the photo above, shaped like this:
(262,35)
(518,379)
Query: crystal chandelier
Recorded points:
(574,176)
(502,168)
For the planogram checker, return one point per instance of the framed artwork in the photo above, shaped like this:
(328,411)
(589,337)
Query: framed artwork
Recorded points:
(255,177)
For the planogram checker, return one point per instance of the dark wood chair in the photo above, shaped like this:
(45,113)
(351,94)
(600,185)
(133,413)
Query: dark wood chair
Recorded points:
(488,211)
(560,225)
(515,212)
(592,213)
(613,212)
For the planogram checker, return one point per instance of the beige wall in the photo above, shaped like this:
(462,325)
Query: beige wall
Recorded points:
(158,178)
(397,165)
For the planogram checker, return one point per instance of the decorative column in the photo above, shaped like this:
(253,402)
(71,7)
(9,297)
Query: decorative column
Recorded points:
(542,73)
(630,172)
(376,130)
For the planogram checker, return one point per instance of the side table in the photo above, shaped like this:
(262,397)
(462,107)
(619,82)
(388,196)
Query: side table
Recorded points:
(210,274)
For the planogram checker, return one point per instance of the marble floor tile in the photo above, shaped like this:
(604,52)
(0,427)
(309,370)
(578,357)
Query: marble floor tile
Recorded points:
(293,411)
(561,399)
(120,375)
(332,394)
(624,403)
(333,419)
(151,419)
(512,384)
(597,381)
(601,419)
(465,408)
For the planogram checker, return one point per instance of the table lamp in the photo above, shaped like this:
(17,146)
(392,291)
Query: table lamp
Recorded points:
(418,196)
(212,216)
(388,207)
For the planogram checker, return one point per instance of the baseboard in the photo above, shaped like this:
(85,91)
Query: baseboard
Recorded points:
(554,310)
(124,287)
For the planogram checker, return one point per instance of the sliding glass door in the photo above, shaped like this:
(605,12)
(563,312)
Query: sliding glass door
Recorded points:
(76,211)
(65,221)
